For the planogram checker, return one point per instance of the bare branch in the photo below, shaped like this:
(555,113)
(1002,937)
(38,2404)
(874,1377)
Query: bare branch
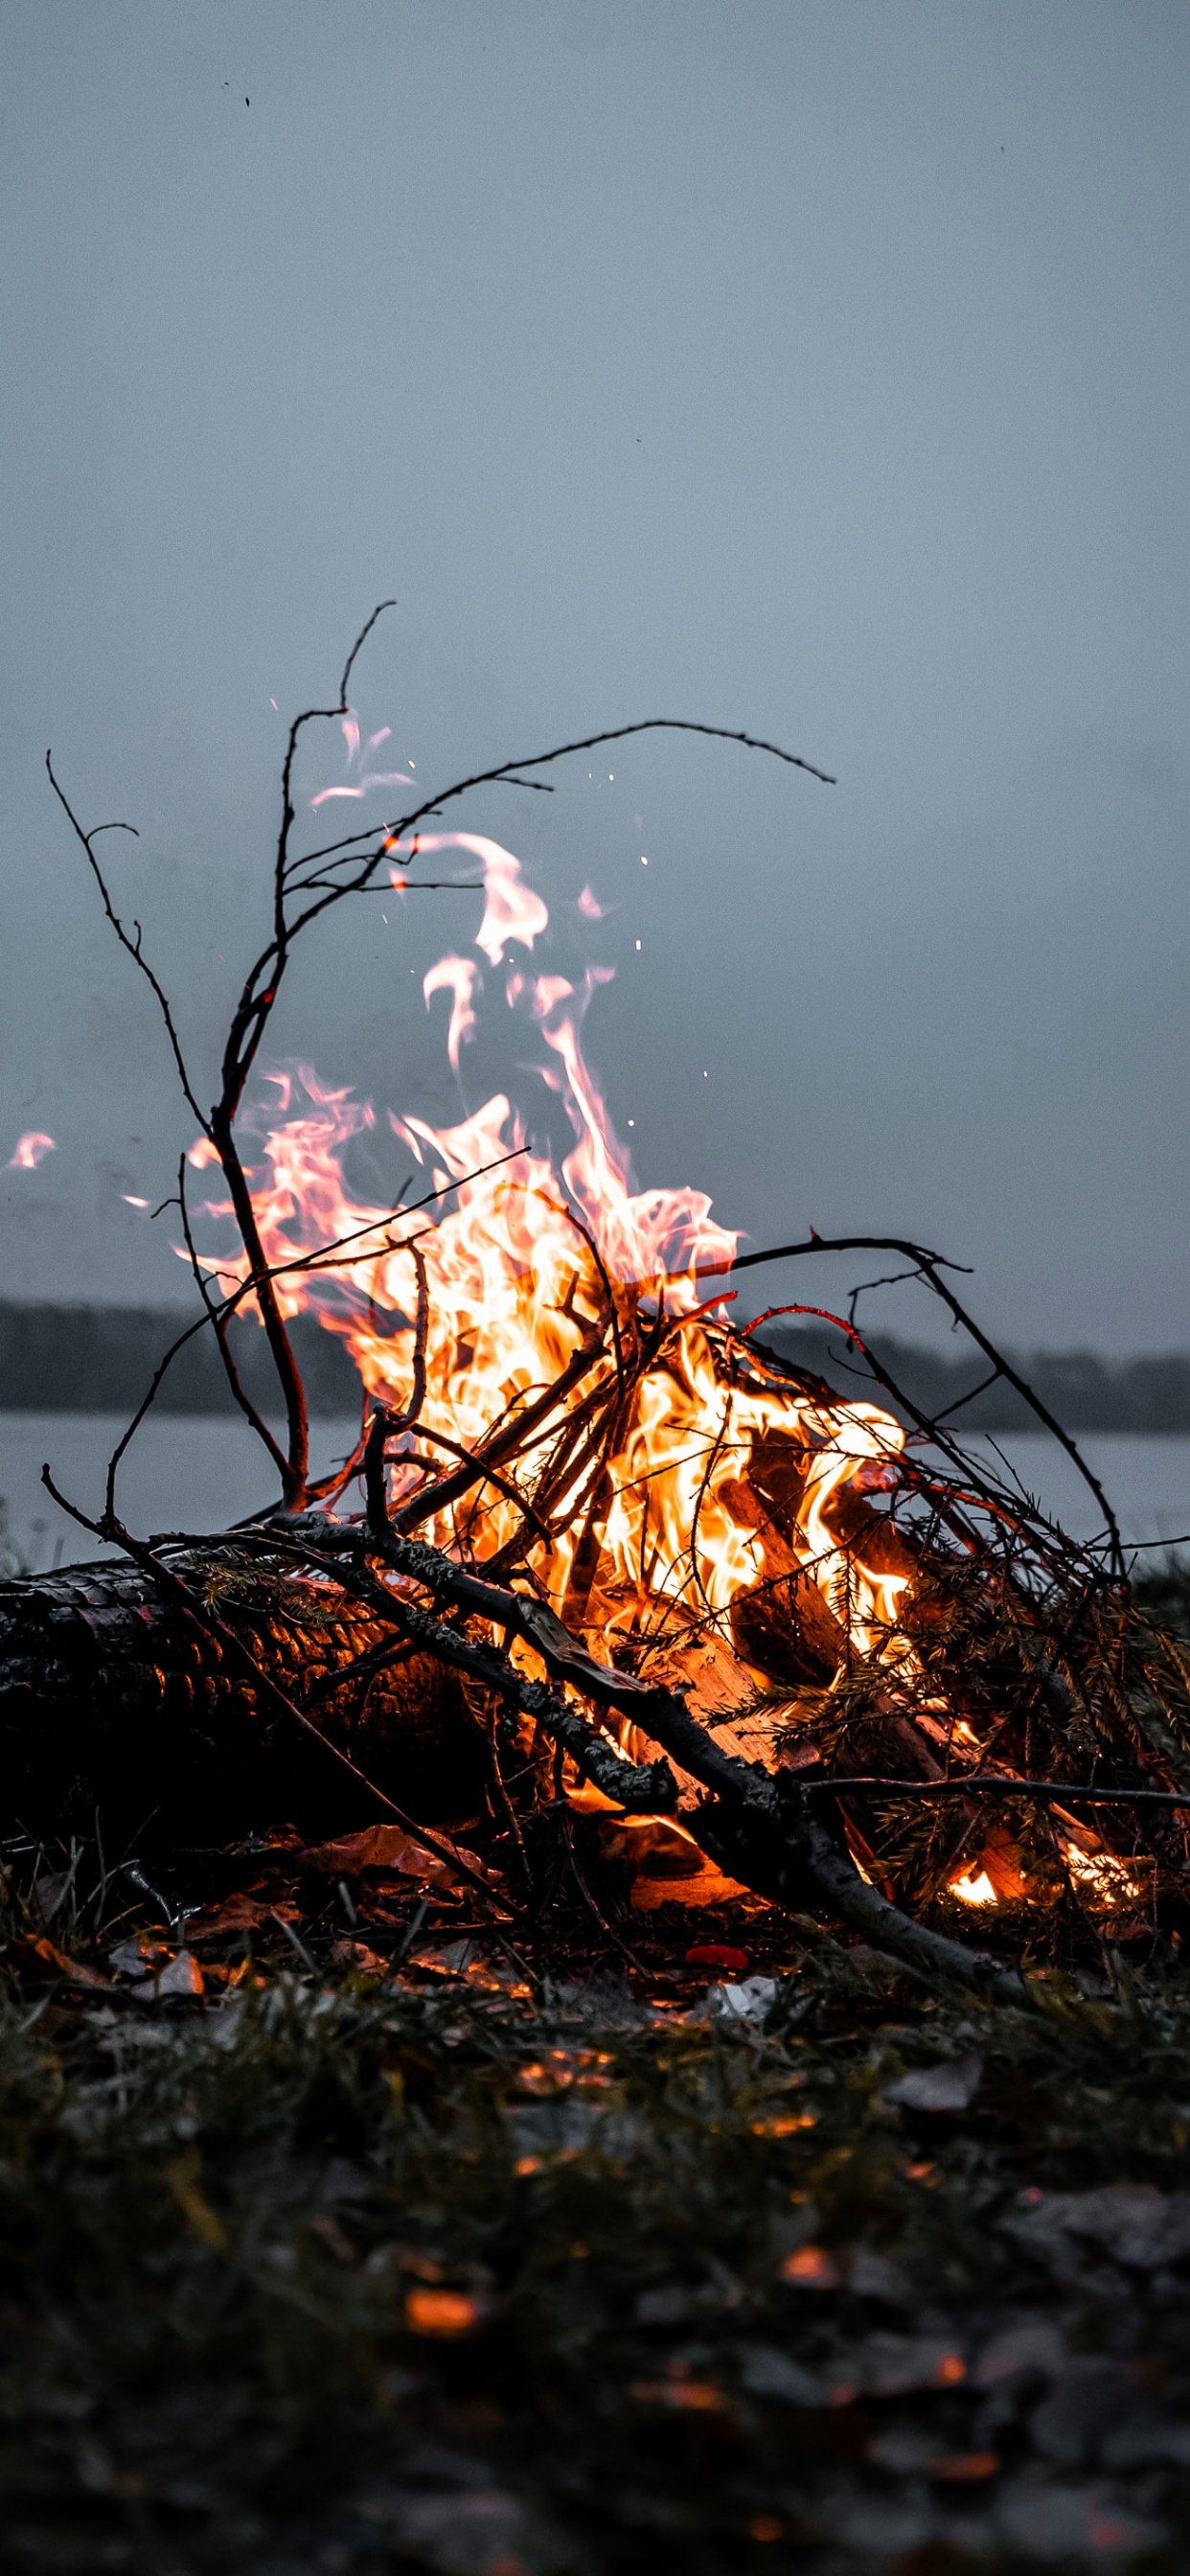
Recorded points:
(132,945)
(357,648)
(218,1317)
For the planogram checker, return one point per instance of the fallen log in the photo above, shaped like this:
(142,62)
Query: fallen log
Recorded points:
(119,1706)
(114,1702)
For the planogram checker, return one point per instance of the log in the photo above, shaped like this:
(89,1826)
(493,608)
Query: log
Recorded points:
(120,1709)
(112,1701)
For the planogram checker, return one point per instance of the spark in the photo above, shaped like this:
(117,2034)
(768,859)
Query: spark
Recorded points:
(30,1150)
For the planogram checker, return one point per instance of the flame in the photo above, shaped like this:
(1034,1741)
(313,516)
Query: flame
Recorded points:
(30,1151)
(370,778)
(533,1271)
(460,976)
(977,1889)
(1103,1876)
(512,910)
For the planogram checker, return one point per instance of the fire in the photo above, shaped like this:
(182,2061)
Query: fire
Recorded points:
(975,1889)
(637,1444)
(528,1269)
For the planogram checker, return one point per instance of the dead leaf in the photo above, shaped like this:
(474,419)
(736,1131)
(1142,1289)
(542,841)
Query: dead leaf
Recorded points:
(39,1958)
(238,1913)
(949,2085)
(49,1890)
(356,1954)
(182,1976)
(744,2005)
(387,1847)
(138,1956)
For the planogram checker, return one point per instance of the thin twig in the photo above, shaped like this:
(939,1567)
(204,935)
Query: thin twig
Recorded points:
(972,1783)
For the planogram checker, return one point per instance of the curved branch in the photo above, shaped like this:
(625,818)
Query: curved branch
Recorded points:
(357,648)
(564,751)
(132,945)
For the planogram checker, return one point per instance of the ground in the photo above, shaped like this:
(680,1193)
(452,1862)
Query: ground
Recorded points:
(366,2263)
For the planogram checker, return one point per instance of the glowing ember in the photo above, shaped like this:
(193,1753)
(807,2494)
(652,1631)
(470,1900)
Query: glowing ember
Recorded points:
(441,2312)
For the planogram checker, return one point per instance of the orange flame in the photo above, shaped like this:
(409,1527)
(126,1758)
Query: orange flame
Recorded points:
(526,1266)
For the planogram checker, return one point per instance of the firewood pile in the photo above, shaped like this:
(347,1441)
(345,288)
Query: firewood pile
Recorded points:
(646,1610)
(938,1715)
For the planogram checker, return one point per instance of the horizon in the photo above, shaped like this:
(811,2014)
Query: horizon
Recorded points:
(940,1347)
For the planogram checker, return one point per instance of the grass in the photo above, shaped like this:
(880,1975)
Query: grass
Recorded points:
(350,2274)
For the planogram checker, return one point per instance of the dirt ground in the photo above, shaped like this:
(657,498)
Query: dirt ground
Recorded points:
(378,2253)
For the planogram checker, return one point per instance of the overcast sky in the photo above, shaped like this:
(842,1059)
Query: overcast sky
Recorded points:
(817,369)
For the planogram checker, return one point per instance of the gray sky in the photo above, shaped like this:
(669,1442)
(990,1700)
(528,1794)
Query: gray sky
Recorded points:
(819,369)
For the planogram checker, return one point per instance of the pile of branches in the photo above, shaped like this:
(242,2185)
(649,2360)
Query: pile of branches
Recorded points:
(1024,1720)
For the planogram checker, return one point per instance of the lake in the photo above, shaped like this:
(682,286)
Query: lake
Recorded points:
(201,1472)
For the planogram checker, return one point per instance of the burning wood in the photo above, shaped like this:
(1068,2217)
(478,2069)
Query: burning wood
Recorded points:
(662,1606)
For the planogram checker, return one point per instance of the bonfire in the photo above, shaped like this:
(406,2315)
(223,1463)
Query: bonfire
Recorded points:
(608,1579)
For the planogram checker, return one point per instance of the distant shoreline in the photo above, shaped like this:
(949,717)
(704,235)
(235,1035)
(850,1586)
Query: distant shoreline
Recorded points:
(99,1359)
(1082,1390)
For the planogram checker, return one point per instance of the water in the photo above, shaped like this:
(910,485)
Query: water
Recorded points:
(191,1472)
(203,1472)
(1145,1476)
